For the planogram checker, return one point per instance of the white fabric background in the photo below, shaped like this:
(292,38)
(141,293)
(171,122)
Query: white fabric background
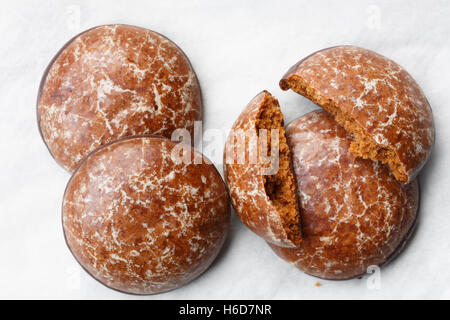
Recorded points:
(237,48)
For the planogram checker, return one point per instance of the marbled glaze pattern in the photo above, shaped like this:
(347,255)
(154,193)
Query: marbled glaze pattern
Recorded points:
(141,223)
(354,213)
(245,180)
(114,81)
(381,96)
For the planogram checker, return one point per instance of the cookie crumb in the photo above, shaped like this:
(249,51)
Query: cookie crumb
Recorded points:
(318,284)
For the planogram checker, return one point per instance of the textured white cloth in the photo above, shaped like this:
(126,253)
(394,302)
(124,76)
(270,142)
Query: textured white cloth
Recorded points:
(237,48)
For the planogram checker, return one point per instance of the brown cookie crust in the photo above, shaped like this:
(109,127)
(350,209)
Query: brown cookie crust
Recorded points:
(354,213)
(373,98)
(266,203)
(114,81)
(141,223)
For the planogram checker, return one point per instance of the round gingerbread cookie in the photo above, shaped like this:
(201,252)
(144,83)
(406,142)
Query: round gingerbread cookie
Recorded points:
(142,220)
(354,213)
(110,82)
(375,99)
(262,189)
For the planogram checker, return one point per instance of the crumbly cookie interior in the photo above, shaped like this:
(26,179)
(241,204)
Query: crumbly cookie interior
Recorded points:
(280,187)
(363,145)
